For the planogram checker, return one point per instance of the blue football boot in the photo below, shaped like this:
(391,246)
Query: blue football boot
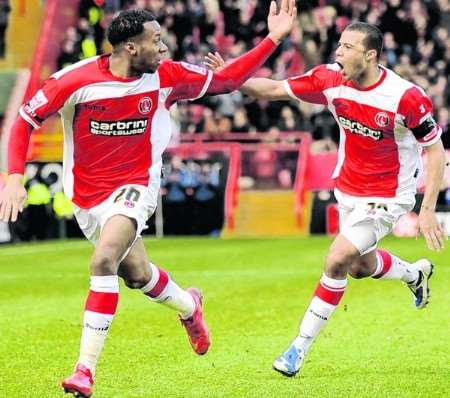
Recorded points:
(290,362)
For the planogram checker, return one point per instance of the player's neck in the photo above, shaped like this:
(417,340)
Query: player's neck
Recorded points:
(370,77)
(120,66)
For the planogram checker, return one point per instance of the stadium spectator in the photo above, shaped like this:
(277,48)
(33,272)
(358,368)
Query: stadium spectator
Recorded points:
(113,162)
(241,123)
(69,55)
(177,191)
(384,122)
(208,207)
(36,217)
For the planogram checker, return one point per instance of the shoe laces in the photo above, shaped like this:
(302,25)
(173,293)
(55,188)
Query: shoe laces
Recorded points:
(414,286)
(85,372)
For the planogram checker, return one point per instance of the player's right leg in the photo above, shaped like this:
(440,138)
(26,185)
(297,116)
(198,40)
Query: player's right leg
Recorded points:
(326,298)
(115,238)
(139,273)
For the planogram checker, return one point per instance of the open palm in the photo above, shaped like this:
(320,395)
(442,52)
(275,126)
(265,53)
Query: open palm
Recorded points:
(280,22)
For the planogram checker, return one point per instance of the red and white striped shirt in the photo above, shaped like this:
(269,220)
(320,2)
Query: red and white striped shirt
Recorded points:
(115,129)
(382,130)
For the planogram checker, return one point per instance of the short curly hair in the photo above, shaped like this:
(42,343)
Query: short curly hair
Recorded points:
(128,24)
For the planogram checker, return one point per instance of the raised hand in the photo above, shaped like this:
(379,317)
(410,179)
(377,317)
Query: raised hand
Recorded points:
(281,23)
(214,61)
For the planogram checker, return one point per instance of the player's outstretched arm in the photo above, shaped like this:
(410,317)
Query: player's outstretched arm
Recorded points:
(232,76)
(13,196)
(259,88)
(268,89)
(428,224)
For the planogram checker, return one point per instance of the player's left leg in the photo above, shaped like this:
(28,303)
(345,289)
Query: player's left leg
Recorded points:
(381,264)
(139,273)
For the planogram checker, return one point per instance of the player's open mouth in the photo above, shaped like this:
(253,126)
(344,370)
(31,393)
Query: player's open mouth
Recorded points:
(342,71)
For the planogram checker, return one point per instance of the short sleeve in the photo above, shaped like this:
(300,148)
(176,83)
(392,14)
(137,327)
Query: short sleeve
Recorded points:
(310,86)
(47,101)
(186,81)
(416,109)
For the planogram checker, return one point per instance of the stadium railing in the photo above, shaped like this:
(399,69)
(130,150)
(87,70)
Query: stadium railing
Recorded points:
(233,151)
(300,186)
(244,138)
(298,141)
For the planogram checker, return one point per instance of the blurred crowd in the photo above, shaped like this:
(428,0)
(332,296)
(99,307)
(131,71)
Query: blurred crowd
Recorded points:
(192,196)
(417,46)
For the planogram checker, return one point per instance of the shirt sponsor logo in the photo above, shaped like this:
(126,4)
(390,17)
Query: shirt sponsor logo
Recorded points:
(145,105)
(382,119)
(124,127)
(194,68)
(358,128)
(93,107)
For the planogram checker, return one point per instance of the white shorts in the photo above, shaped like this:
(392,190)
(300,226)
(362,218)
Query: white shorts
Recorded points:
(137,202)
(364,224)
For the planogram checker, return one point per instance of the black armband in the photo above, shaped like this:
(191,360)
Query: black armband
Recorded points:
(424,128)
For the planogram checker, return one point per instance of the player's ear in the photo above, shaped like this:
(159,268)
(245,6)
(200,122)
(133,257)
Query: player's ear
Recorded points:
(131,47)
(371,55)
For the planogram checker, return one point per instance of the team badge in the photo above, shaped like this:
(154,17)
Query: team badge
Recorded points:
(145,105)
(382,119)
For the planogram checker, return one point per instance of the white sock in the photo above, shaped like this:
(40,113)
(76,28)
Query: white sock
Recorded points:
(392,267)
(162,289)
(101,305)
(327,295)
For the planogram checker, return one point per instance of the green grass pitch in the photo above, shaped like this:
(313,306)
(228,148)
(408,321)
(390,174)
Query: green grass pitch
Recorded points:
(376,344)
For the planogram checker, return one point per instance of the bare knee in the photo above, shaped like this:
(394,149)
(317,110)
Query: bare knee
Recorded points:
(356,271)
(336,265)
(362,267)
(136,282)
(104,261)
(135,277)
